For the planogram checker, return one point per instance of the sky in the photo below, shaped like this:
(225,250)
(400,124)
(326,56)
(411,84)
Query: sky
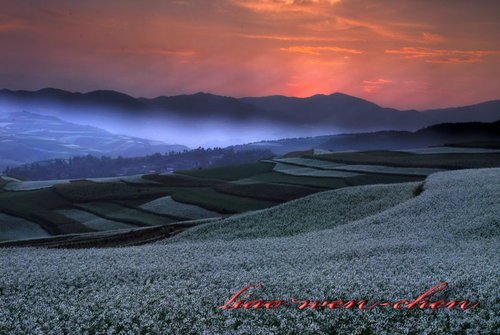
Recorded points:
(405,54)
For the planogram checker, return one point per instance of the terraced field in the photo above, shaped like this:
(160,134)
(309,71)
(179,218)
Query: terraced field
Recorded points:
(84,191)
(32,185)
(266,191)
(406,159)
(36,206)
(93,221)
(101,204)
(286,165)
(115,212)
(231,172)
(309,181)
(450,150)
(13,228)
(294,170)
(308,162)
(223,203)
(167,205)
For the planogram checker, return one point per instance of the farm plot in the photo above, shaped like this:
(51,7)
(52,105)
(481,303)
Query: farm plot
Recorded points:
(219,202)
(84,191)
(452,150)
(245,181)
(138,179)
(93,221)
(33,185)
(7,178)
(280,178)
(179,180)
(373,179)
(37,206)
(3,182)
(381,169)
(167,205)
(266,191)
(231,172)
(14,228)
(116,212)
(309,162)
(406,159)
(105,179)
(326,165)
(295,170)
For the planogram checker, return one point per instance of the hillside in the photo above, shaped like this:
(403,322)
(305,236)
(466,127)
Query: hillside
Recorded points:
(396,247)
(104,166)
(28,137)
(436,135)
(477,137)
(60,207)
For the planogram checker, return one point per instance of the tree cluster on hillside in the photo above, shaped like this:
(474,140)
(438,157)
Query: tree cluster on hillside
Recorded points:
(93,167)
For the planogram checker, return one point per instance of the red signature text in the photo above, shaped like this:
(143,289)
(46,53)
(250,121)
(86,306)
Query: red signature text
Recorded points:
(243,300)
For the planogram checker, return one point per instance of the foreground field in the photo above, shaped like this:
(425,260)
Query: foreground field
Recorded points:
(401,241)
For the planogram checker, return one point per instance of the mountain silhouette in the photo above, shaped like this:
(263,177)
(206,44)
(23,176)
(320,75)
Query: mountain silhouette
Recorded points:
(336,112)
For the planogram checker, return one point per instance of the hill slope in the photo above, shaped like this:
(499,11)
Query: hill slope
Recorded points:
(447,233)
(27,137)
(436,135)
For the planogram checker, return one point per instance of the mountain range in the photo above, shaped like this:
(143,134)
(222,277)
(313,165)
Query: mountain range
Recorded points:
(333,113)
(207,120)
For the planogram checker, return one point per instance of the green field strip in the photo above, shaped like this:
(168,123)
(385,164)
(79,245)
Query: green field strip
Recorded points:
(115,212)
(219,202)
(168,206)
(230,172)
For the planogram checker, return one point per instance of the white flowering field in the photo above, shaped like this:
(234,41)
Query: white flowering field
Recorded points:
(396,247)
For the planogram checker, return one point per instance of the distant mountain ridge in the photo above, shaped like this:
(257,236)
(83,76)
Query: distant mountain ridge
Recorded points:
(336,111)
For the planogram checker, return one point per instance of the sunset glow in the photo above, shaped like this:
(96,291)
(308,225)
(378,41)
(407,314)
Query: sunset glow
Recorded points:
(403,54)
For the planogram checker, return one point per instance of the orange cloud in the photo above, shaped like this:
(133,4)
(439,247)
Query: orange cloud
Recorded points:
(443,55)
(155,51)
(283,5)
(292,38)
(313,50)
(12,25)
(379,29)
(431,38)
(325,63)
(379,81)
(371,86)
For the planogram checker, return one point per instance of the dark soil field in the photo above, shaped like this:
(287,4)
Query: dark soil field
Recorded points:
(449,161)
